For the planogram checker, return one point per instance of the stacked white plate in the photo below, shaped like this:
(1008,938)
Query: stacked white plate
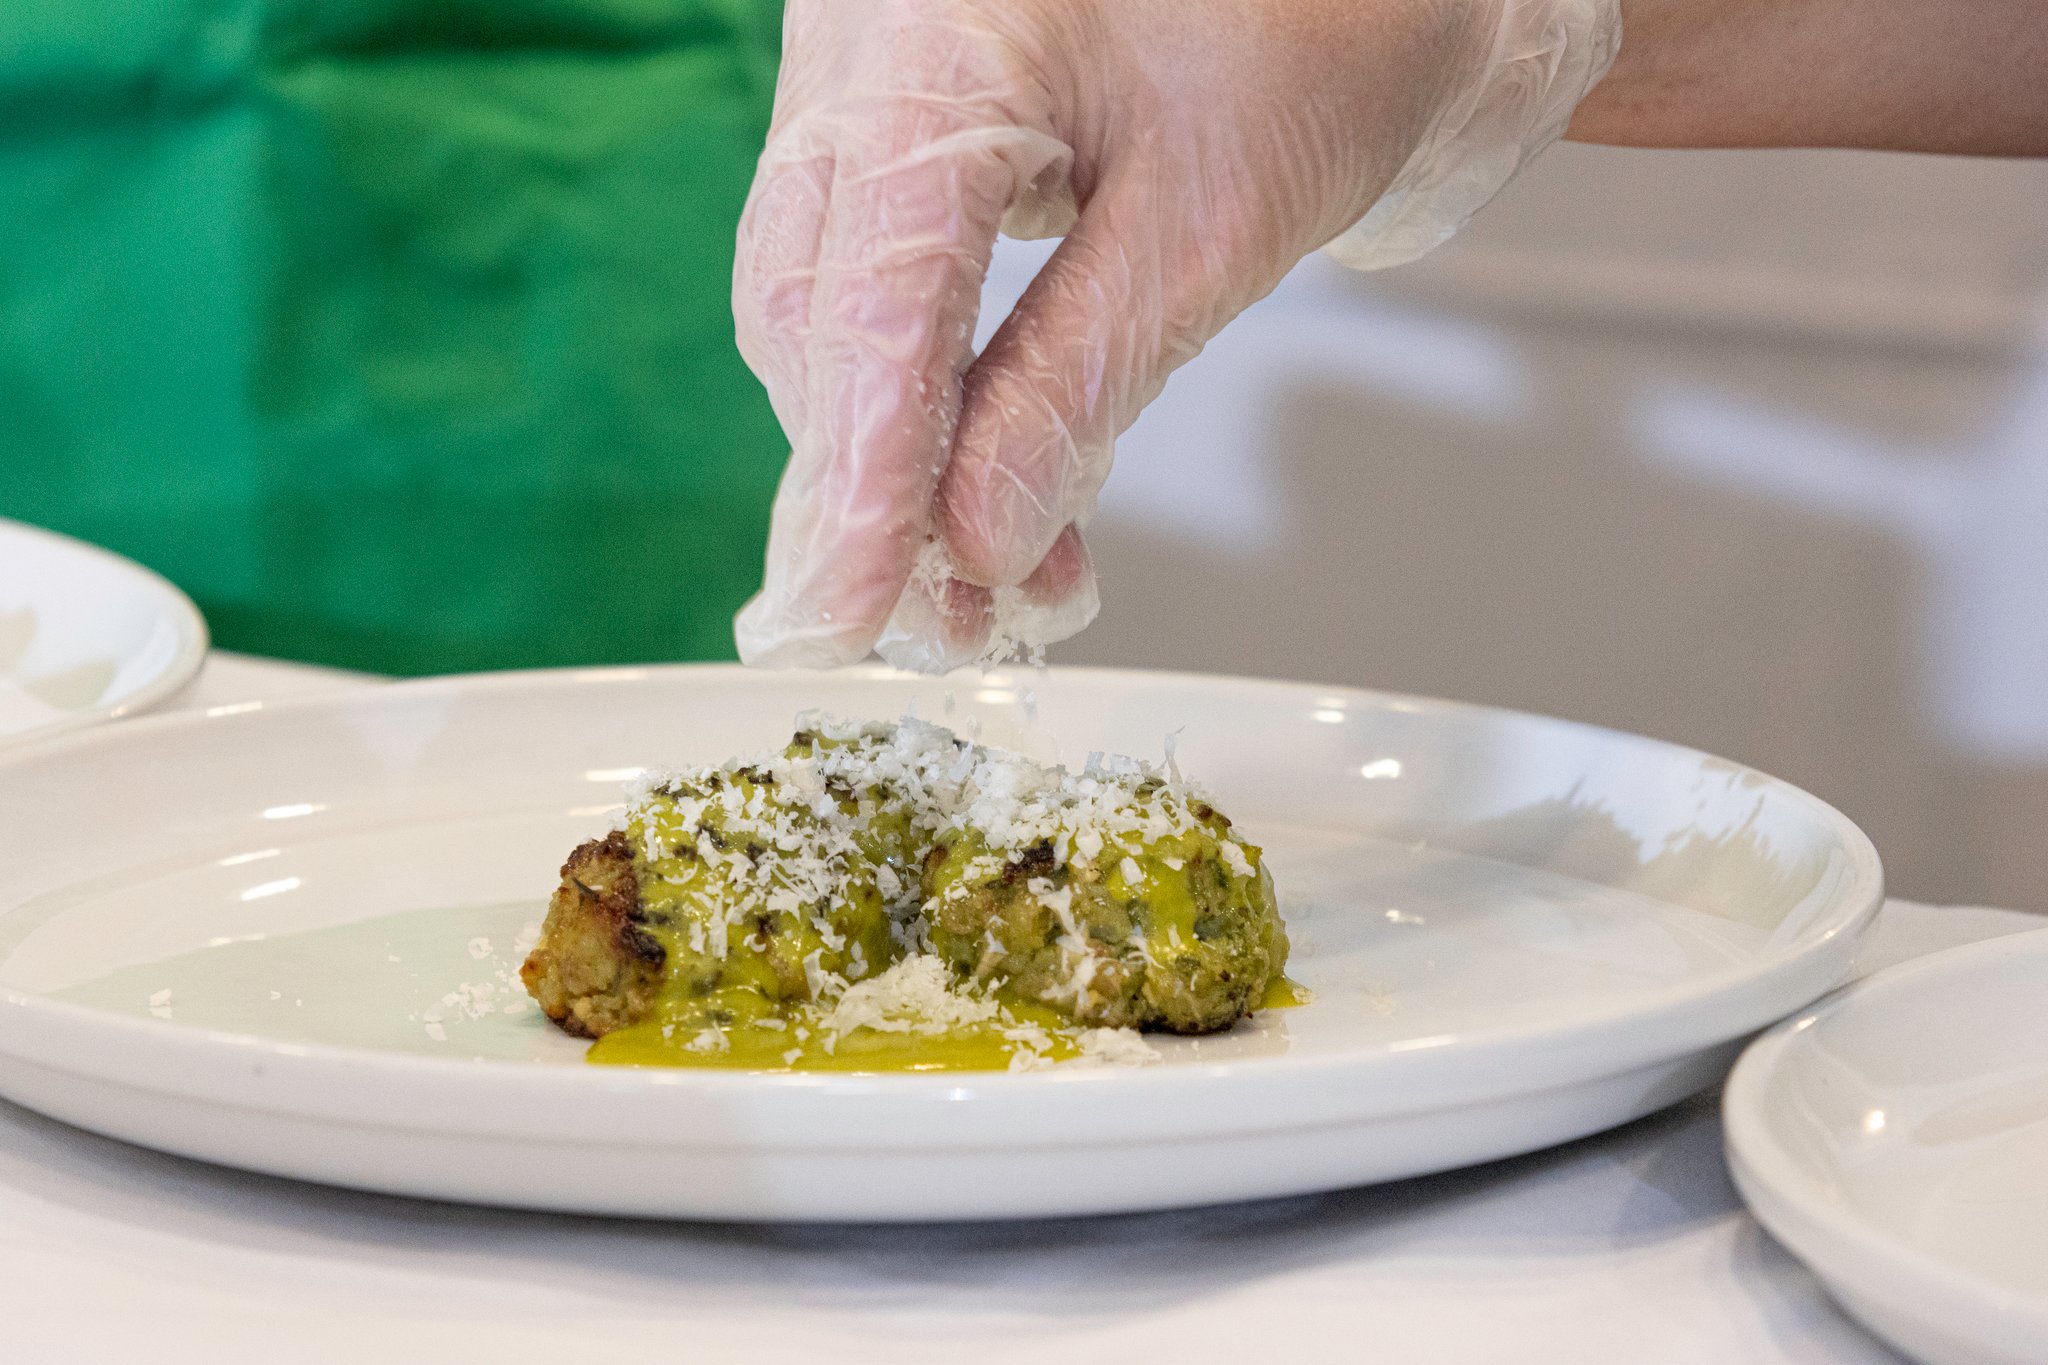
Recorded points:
(85,635)
(1895,1138)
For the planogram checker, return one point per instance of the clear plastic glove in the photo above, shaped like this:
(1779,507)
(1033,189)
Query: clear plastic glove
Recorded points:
(1191,151)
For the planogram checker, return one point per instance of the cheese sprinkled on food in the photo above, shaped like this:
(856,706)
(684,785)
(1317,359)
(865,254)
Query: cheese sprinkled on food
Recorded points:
(805,896)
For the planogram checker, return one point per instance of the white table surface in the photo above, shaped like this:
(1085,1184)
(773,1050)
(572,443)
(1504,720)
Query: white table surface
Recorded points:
(1627,1247)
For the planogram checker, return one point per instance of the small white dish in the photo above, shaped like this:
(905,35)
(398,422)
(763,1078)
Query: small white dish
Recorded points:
(1895,1138)
(284,938)
(85,635)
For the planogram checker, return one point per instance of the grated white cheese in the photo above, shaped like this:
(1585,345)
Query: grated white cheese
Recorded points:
(917,995)
(1116,1047)
(710,1040)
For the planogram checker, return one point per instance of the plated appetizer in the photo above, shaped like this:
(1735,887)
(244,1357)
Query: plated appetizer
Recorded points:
(890,896)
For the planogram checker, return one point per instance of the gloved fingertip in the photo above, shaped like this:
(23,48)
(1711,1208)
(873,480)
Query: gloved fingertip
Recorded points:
(1066,570)
(940,624)
(1051,608)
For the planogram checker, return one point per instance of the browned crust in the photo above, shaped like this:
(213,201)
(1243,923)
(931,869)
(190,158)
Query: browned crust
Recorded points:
(595,968)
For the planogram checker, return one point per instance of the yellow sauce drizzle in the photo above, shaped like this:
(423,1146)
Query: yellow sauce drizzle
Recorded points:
(766,1041)
(1285,994)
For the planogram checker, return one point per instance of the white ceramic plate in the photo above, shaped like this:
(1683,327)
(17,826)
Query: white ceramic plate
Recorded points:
(85,635)
(1895,1138)
(284,938)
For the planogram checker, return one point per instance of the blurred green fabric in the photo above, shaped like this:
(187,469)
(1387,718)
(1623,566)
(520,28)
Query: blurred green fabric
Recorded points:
(397,332)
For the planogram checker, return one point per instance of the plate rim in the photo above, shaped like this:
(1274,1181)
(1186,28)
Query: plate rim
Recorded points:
(1855,893)
(1794,1208)
(195,638)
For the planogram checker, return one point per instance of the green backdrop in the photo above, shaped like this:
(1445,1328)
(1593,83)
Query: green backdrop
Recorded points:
(397,332)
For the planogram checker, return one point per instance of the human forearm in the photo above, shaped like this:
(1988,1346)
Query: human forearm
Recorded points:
(1967,76)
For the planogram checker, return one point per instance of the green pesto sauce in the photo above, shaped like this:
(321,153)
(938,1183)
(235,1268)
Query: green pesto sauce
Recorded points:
(683,894)
(1166,892)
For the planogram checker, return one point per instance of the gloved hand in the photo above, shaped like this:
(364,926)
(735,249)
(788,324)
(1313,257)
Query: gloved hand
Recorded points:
(1191,151)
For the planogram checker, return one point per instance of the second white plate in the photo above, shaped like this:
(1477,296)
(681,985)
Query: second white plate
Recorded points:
(1895,1137)
(284,939)
(85,635)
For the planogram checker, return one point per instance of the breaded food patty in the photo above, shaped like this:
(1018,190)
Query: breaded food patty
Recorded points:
(1149,914)
(728,892)
(596,968)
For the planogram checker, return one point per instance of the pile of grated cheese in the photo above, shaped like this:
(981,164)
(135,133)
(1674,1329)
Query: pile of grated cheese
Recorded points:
(796,851)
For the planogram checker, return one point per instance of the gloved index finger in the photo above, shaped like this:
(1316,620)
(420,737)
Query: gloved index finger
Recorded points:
(776,249)
(775,263)
(920,184)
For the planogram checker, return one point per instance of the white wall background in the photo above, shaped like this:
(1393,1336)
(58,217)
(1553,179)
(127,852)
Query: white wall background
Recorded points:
(1746,450)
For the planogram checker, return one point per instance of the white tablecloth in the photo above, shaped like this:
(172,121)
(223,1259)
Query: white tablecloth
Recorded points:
(1627,1247)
